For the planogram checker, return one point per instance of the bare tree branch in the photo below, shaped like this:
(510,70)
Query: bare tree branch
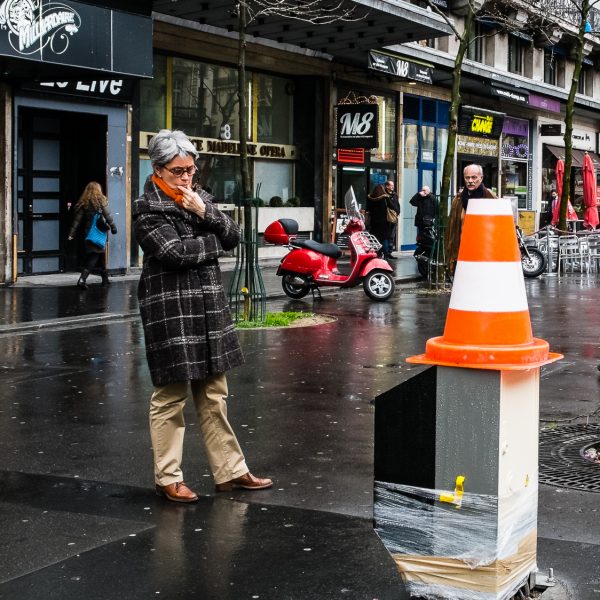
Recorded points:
(315,12)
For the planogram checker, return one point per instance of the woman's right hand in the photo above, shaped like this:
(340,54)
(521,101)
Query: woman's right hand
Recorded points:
(191,201)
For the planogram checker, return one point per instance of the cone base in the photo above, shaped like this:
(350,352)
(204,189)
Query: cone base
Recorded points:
(503,358)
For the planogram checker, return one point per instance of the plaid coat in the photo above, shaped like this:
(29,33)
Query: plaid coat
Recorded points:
(187,324)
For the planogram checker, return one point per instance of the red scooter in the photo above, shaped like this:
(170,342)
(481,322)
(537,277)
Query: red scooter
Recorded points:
(311,265)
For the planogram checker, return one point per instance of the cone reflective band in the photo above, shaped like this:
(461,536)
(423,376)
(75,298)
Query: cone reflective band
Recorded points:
(488,324)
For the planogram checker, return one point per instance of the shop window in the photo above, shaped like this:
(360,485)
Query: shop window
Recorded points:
(514,181)
(204,98)
(274,108)
(411,146)
(410,175)
(276,181)
(427,144)
(386,151)
(429,111)
(153,110)
(221,175)
(412,107)
(515,55)
(442,144)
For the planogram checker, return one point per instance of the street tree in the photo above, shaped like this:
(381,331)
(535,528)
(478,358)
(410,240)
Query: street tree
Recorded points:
(506,16)
(315,12)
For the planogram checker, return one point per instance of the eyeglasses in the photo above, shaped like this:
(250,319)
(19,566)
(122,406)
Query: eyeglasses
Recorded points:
(179,171)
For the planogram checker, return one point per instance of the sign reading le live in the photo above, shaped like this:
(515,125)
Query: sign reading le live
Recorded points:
(357,125)
(480,122)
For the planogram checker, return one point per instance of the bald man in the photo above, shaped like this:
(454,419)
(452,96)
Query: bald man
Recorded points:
(424,201)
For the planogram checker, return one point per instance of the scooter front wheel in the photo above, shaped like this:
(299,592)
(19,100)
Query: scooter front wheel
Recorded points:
(294,286)
(534,264)
(379,285)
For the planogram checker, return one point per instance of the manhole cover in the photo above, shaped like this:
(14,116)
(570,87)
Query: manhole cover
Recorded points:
(561,457)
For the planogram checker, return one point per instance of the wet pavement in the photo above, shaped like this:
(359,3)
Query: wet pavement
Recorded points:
(77,508)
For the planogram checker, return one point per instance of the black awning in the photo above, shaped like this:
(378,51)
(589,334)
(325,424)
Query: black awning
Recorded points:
(379,23)
(576,155)
(61,36)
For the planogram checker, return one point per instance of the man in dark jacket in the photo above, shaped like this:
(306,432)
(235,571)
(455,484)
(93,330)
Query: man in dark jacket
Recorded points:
(426,209)
(474,188)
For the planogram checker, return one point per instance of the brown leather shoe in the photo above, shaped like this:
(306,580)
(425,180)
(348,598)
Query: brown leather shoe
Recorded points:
(177,492)
(246,482)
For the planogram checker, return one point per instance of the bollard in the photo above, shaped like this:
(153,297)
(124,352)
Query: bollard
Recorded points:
(456,446)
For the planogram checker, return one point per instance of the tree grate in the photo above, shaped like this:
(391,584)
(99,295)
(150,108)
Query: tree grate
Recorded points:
(562,463)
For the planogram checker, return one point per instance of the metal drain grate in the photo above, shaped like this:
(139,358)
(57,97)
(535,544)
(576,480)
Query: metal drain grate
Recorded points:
(561,457)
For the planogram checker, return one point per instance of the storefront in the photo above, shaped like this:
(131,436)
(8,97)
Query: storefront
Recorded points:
(478,141)
(551,141)
(515,167)
(68,129)
(365,167)
(200,98)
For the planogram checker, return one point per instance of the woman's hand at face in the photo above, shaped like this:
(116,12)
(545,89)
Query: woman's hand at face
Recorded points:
(192,202)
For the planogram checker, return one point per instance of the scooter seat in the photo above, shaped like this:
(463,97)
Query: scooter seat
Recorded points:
(327,249)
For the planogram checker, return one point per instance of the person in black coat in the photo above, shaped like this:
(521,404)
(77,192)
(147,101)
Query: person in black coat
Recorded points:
(424,201)
(91,202)
(378,202)
(189,333)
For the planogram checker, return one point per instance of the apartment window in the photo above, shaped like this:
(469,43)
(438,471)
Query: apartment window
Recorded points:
(515,55)
(550,64)
(475,47)
(585,81)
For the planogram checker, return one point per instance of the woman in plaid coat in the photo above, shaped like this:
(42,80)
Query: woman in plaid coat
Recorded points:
(190,337)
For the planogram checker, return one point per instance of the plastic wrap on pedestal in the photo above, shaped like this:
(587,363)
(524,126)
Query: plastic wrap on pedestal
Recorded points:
(476,547)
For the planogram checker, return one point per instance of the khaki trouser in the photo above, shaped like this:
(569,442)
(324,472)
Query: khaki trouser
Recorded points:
(167,428)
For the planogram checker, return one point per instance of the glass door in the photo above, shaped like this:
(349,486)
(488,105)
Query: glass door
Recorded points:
(38,193)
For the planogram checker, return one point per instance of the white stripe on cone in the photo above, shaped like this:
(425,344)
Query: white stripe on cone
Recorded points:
(488,287)
(489,206)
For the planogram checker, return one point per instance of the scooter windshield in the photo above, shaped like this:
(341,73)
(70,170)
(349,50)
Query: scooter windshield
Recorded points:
(352,206)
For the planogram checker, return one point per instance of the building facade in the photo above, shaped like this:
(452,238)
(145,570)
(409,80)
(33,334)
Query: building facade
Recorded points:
(67,81)
(86,111)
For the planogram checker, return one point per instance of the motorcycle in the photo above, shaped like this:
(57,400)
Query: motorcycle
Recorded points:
(533,260)
(425,242)
(310,265)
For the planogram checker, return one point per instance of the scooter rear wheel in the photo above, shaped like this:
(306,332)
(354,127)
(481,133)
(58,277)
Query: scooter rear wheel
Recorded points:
(423,266)
(292,287)
(379,285)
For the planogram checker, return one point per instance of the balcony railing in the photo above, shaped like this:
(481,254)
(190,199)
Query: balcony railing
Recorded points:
(566,10)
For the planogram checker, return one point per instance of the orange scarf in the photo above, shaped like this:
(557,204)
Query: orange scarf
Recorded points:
(174,194)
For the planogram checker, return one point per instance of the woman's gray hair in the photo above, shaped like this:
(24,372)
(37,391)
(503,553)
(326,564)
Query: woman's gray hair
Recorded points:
(169,143)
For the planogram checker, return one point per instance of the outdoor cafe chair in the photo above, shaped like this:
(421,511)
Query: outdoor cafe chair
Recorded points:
(593,250)
(569,253)
(548,245)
